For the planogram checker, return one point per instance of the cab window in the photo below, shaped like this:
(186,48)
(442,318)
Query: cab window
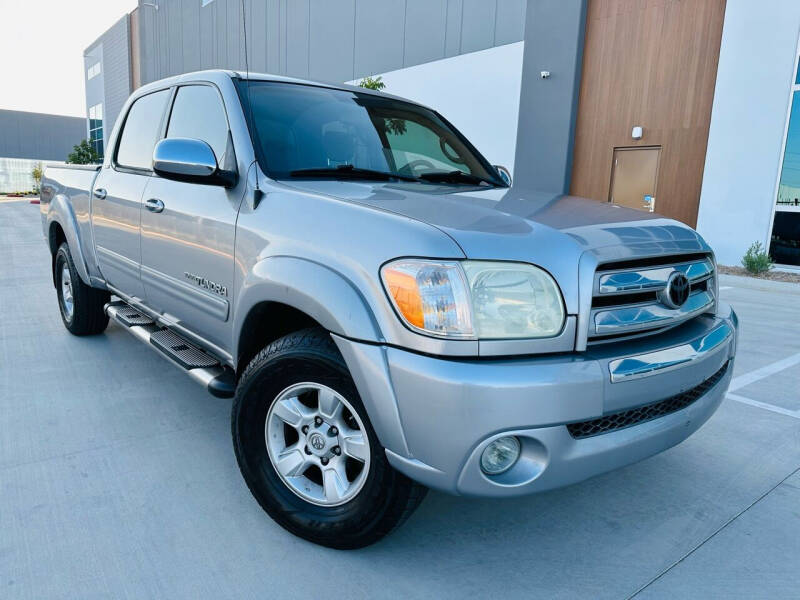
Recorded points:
(198,114)
(141,130)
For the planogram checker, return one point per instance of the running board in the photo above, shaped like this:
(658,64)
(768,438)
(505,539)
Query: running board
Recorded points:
(202,367)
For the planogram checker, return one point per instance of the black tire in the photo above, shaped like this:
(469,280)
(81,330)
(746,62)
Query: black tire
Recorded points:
(387,497)
(88,316)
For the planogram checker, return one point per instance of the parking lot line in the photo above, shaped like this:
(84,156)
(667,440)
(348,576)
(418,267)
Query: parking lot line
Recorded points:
(741,381)
(776,409)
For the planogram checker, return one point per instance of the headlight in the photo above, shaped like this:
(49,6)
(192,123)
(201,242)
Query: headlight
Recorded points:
(475,299)
(514,300)
(430,296)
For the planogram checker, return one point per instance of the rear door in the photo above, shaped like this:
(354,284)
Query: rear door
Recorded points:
(188,246)
(117,201)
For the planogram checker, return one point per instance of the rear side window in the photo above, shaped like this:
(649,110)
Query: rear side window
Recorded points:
(198,114)
(141,131)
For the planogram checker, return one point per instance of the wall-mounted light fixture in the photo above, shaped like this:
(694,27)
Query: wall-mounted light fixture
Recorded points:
(636,133)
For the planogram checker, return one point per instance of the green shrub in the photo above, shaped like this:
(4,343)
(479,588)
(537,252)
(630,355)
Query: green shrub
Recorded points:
(756,260)
(372,83)
(83,154)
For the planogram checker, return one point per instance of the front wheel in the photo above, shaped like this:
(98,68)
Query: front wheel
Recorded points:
(81,305)
(308,451)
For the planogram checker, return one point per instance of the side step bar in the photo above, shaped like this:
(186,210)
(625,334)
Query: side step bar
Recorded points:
(203,368)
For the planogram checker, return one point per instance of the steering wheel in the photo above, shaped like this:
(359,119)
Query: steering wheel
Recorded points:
(410,168)
(446,150)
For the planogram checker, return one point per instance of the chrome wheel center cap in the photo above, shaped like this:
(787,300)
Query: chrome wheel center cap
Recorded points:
(318,443)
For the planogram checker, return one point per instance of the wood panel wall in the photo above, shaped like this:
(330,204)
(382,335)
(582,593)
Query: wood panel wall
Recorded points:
(651,63)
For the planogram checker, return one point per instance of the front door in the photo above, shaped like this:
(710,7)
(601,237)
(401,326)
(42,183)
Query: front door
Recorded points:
(188,244)
(117,200)
(634,174)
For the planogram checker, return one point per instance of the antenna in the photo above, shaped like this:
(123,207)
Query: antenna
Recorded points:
(257,192)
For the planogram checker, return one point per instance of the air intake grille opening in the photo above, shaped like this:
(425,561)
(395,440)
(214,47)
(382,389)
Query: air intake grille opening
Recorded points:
(642,414)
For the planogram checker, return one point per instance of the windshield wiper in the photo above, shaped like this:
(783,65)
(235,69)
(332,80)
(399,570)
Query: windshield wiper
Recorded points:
(350,172)
(455,177)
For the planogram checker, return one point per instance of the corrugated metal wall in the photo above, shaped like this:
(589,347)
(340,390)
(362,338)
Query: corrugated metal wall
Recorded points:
(39,136)
(117,66)
(334,40)
(113,85)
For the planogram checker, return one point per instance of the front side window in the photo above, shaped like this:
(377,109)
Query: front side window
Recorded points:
(301,129)
(96,128)
(141,131)
(198,114)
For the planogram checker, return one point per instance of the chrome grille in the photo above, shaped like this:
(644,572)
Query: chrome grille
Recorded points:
(629,299)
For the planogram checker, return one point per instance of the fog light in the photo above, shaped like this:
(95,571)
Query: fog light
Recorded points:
(500,455)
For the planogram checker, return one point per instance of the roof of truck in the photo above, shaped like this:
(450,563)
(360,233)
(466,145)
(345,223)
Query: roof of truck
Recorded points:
(213,74)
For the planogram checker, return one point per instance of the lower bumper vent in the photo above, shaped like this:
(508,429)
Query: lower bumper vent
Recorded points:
(641,414)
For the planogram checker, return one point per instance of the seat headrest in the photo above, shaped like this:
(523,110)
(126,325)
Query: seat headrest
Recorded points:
(339,146)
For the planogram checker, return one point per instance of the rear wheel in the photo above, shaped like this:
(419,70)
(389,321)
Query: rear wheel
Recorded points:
(307,450)
(81,305)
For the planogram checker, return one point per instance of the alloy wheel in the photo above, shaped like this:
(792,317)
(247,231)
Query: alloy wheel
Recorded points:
(317,444)
(67,302)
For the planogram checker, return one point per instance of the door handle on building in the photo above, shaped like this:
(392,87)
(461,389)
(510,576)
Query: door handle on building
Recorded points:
(154,205)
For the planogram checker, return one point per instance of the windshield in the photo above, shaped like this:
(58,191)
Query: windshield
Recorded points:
(307,131)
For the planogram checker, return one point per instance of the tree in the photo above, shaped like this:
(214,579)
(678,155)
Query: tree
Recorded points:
(83,154)
(372,83)
(36,172)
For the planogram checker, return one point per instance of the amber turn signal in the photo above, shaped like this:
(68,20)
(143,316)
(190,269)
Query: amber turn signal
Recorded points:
(405,293)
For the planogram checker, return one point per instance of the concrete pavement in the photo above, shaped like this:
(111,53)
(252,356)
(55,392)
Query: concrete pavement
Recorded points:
(118,480)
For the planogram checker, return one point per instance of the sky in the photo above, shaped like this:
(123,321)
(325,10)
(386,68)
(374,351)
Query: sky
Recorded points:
(42,44)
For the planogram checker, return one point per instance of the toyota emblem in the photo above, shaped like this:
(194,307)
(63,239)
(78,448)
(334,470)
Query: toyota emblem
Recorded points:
(676,293)
(317,442)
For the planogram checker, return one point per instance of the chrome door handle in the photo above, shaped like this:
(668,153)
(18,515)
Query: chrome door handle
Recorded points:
(154,205)
(100,193)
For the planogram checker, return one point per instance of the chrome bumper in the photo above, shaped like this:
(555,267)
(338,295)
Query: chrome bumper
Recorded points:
(668,359)
(434,415)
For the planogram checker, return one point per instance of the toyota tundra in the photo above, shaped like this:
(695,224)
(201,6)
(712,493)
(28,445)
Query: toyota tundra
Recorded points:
(387,311)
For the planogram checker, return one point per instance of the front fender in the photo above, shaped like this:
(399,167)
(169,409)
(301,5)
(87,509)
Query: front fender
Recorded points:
(60,211)
(315,289)
(338,306)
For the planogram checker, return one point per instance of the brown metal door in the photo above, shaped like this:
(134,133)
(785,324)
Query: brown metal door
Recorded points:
(634,173)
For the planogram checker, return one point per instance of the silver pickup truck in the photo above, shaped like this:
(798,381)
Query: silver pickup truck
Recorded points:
(388,312)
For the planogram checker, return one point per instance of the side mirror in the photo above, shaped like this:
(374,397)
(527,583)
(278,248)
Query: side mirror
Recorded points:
(504,173)
(193,161)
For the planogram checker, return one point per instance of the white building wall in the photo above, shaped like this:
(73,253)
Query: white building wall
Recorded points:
(477,92)
(748,119)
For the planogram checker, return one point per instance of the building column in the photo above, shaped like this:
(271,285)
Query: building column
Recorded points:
(554,36)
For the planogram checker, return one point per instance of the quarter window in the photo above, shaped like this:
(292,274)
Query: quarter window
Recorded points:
(198,114)
(141,131)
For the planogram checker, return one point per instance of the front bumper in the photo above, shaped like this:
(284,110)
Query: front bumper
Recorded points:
(435,416)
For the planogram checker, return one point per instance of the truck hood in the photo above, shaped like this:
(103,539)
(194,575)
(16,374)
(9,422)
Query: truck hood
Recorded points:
(517,224)
(555,232)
